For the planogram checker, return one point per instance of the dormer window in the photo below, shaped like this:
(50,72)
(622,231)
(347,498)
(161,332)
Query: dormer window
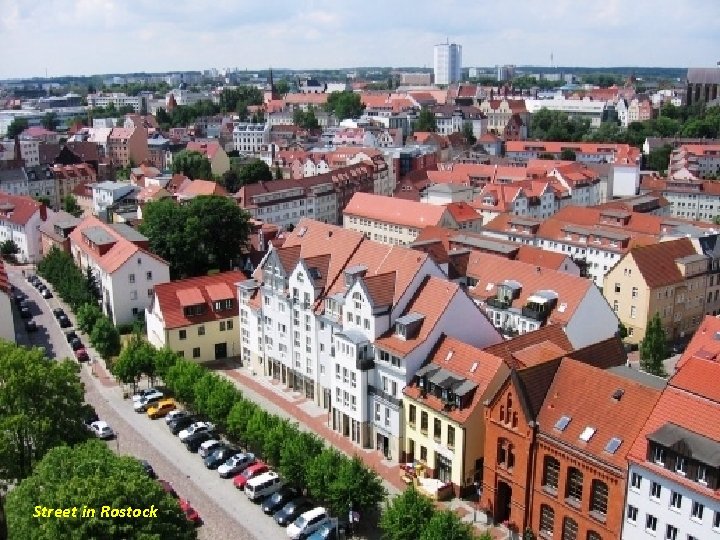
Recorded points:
(659,455)
(191,311)
(221,305)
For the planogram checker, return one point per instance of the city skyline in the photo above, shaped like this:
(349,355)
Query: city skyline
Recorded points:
(83,37)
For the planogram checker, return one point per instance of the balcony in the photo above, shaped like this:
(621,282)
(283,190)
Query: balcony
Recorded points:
(533,312)
(497,303)
(384,395)
(365,362)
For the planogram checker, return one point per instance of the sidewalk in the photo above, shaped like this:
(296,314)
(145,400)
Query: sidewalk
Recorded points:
(295,406)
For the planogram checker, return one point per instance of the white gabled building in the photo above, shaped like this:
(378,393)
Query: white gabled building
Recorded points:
(20,219)
(251,138)
(122,265)
(347,321)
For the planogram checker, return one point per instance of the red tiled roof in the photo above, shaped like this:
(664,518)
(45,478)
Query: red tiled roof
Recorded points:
(657,264)
(551,337)
(585,394)
(392,210)
(705,341)
(174,296)
(206,148)
(468,363)
(219,291)
(202,187)
(462,211)
(699,374)
(541,257)
(19,209)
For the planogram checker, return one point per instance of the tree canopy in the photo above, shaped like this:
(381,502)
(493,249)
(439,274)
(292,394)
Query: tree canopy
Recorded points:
(467,132)
(406,515)
(305,119)
(192,164)
(447,525)
(59,268)
(184,115)
(41,406)
(345,105)
(659,158)
(91,476)
(50,121)
(653,348)
(206,233)
(253,172)
(16,127)
(547,125)
(426,121)
(238,99)
(71,206)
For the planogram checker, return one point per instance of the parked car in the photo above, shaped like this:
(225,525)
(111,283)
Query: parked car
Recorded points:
(250,472)
(64,321)
(193,442)
(18,297)
(190,513)
(307,523)
(89,415)
(175,414)
(292,510)
(31,326)
(161,408)
(101,430)
(147,468)
(263,486)
(195,428)
(220,456)
(47,294)
(328,530)
(69,336)
(31,277)
(179,424)
(25,313)
(82,356)
(145,403)
(168,488)
(208,447)
(58,312)
(280,498)
(76,344)
(144,393)
(236,465)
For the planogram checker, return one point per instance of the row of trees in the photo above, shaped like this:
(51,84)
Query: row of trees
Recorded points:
(252,172)
(345,105)
(81,292)
(305,119)
(183,115)
(301,457)
(192,164)
(206,233)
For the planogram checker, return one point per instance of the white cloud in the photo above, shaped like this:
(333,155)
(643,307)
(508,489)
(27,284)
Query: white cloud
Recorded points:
(106,36)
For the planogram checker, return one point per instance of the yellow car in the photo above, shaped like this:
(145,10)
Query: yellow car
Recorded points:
(161,408)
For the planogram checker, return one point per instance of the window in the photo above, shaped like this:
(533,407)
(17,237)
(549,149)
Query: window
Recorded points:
(222,326)
(148,275)
(632,513)
(196,352)
(716,520)
(634,292)
(671,532)
(599,497)
(633,312)
(131,278)
(182,334)
(697,510)
(423,421)
(650,523)
(411,415)
(547,521)
(201,330)
(702,474)
(655,490)
(551,473)
(377,411)
(149,293)
(569,530)
(451,437)
(675,500)
(133,295)
(387,416)
(437,429)
(617,287)
(680,465)
(659,455)
(423,453)
(592,535)
(229,324)
(574,487)
(635,480)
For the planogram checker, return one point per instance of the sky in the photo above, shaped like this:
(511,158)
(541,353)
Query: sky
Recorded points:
(84,37)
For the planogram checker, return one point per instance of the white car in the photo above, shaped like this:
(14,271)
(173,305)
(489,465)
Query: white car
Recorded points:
(145,393)
(207,447)
(176,413)
(195,428)
(101,430)
(235,464)
(307,523)
(143,404)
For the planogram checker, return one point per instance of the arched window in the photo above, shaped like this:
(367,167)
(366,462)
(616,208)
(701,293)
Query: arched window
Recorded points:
(574,487)
(502,452)
(514,419)
(547,520)
(502,413)
(592,535)
(570,529)
(510,456)
(551,473)
(599,497)
(508,409)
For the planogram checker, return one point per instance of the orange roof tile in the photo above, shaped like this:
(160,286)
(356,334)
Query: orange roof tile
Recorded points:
(189,297)
(705,341)
(19,209)
(541,257)
(219,291)
(462,211)
(392,210)
(551,336)
(657,264)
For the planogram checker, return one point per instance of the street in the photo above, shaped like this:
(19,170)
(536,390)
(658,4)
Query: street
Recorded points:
(225,511)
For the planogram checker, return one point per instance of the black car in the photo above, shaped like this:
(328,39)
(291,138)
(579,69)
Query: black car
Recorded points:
(25,313)
(219,456)
(31,278)
(177,425)
(18,298)
(59,312)
(193,442)
(292,510)
(31,326)
(76,344)
(39,285)
(47,294)
(89,414)
(280,498)
(64,322)
(70,335)
(148,468)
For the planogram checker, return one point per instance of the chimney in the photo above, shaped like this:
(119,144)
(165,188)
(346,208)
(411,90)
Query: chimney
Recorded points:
(537,269)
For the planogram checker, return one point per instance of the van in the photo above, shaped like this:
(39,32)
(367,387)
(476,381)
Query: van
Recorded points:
(307,523)
(262,486)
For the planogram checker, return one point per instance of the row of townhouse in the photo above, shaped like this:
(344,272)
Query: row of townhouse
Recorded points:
(595,237)
(321,197)
(701,160)
(688,196)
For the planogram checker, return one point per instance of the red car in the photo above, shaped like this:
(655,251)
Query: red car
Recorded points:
(251,472)
(190,513)
(82,355)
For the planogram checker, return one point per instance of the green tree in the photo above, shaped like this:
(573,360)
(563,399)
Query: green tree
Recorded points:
(164,359)
(355,486)
(278,173)
(256,429)
(282,87)
(16,127)
(230,180)
(105,338)
(294,455)
(192,164)
(345,105)
(41,406)
(406,516)
(653,348)
(275,439)
(164,224)
(306,119)
(622,330)
(568,155)
(180,379)
(253,172)
(659,158)
(321,470)
(71,206)
(59,268)
(426,121)
(549,125)
(90,475)
(447,525)
(87,315)
(50,121)
(92,284)
(238,418)
(8,249)
(128,367)
(467,132)
(215,397)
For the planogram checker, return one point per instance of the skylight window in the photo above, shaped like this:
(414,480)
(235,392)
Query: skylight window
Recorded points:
(587,434)
(612,445)
(473,367)
(489,287)
(562,307)
(562,423)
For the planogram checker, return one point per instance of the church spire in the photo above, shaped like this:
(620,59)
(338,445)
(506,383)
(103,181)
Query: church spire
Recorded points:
(272,86)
